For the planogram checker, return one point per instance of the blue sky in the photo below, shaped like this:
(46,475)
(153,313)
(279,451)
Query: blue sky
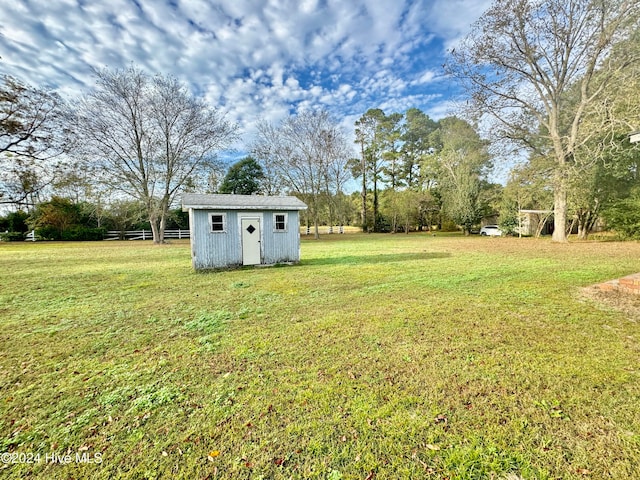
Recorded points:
(253,59)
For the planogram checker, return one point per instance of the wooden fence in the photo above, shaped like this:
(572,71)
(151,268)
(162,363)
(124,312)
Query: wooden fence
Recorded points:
(145,234)
(127,235)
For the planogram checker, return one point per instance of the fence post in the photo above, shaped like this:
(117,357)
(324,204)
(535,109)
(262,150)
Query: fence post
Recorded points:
(143,234)
(33,235)
(341,229)
(330,229)
(179,234)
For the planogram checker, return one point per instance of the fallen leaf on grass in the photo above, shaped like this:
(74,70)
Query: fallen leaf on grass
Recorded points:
(441,419)
(212,455)
(432,447)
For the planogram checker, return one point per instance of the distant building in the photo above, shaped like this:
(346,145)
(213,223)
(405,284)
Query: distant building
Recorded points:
(540,222)
(535,222)
(235,230)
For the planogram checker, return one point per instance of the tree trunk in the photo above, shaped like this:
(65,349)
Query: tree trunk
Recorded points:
(158,224)
(376,226)
(560,212)
(583,233)
(586,221)
(162,228)
(314,210)
(363,213)
(155,229)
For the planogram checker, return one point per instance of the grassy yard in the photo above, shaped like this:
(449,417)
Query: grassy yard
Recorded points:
(379,356)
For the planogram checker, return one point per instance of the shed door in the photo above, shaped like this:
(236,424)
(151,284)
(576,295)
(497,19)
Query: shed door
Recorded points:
(250,241)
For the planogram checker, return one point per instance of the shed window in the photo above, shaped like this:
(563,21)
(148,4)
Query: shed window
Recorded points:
(280,222)
(218,222)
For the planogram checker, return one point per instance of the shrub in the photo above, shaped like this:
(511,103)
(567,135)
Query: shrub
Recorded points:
(15,222)
(449,226)
(75,233)
(624,217)
(80,233)
(49,232)
(12,236)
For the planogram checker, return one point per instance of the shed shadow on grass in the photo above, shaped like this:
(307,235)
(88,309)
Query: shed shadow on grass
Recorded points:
(374,259)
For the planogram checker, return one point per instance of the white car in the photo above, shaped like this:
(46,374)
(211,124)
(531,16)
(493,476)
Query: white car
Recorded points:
(491,230)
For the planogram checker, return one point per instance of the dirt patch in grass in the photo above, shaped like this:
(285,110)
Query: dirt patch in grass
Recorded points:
(624,302)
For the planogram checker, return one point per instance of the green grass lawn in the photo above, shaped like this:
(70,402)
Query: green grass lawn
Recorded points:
(379,356)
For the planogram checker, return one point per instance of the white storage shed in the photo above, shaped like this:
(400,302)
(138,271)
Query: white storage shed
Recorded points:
(234,230)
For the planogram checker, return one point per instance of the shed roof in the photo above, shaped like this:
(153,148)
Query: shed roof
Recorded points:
(240,202)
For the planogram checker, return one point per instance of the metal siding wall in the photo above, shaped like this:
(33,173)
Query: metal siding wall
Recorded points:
(215,250)
(219,250)
(281,246)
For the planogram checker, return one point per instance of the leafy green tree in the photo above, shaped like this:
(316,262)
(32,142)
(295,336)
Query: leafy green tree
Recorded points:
(58,214)
(490,198)
(391,138)
(62,219)
(243,177)
(623,216)
(462,161)
(15,224)
(178,219)
(123,215)
(403,208)
(369,169)
(417,146)
(529,187)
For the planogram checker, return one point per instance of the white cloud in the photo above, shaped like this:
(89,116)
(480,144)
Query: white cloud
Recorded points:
(452,19)
(427,76)
(253,58)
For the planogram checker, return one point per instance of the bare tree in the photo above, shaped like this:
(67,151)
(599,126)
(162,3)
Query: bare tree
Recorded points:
(522,57)
(151,137)
(31,139)
(307,152)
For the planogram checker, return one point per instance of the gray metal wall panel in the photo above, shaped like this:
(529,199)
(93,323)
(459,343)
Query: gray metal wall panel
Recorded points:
(281,246)
(219,250)
(215,250)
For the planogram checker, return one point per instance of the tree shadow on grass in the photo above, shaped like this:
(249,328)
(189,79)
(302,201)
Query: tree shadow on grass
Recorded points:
(374,259)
